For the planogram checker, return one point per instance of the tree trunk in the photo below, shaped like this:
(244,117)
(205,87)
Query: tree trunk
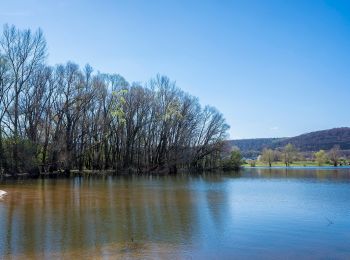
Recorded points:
(15,143)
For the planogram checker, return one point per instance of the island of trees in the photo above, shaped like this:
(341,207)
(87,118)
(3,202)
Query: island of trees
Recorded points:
(63,117)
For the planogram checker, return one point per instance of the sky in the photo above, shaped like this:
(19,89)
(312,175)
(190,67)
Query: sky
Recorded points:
(274,68)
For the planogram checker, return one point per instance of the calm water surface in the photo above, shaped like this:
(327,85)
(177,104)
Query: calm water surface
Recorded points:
(256,213)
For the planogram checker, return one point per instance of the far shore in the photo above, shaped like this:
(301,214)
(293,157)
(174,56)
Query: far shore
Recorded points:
(297,167)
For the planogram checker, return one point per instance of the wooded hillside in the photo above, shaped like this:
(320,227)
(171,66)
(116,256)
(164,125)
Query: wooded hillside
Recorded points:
(308,142)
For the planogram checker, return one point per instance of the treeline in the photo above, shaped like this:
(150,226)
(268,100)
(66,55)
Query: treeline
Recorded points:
(72,118)
(289,154)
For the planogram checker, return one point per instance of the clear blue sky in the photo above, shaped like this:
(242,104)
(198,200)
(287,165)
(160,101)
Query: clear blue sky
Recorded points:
(273,68)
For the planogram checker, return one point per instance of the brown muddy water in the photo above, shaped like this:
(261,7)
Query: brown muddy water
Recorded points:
(255,213)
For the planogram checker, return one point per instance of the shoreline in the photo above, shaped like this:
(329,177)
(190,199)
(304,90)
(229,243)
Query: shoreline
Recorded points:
(108,173)
(297,167)
(103,173)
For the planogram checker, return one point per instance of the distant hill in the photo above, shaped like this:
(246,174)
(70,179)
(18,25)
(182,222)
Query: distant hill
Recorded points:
(253,147)
(313,141)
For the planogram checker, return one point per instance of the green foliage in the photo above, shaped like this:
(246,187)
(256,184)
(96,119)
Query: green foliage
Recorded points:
(173,110)
(118,102)
(321,157)
(289,154)
(268,156)
(234,162)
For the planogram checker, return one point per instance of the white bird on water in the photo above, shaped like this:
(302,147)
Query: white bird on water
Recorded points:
(2,193)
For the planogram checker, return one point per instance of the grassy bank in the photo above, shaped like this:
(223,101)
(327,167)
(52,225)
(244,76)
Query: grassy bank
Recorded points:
(295,164)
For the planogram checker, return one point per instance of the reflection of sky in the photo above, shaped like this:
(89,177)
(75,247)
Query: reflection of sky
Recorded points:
(253,215)
(282,214)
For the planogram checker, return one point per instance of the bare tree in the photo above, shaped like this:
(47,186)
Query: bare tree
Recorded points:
(334,155)
(268,156)
(289,154)
(24,52)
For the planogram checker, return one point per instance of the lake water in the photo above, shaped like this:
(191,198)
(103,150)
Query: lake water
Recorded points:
(255,213)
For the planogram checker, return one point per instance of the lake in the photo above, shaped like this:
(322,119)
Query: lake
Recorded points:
(254,213)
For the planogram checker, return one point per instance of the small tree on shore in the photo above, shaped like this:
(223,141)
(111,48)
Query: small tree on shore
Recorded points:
(236,158)
(268,156)
(333,155)
(289,154)
(234,162)
(321,157)
(252,163)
